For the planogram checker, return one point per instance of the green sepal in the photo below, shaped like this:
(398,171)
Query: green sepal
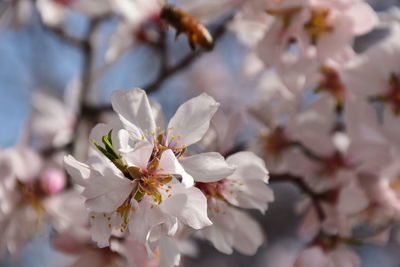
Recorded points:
(109,151)
(139,195)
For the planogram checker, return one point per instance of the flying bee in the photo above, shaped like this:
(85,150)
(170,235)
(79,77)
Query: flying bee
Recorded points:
(187,24)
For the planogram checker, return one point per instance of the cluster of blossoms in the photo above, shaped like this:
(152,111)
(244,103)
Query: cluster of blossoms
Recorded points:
(143,185)
(299,103)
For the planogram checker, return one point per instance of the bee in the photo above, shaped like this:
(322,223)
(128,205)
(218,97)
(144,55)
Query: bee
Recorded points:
(187,24)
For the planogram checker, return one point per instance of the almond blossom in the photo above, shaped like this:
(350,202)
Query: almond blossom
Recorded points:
(139,186)
(24,193)
(51,122)
(329,27)
(245,188)
(373,76)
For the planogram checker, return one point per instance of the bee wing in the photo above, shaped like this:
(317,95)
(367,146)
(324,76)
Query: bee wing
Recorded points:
(207,11)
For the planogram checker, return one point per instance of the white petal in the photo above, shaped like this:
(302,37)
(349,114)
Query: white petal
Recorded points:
(189,205)
(248,234)
(144,218)
(79,172)
(106,193)
(192,120)
(170,165)
(246,187)
(221,232)
(249,166)
(99,229)
(251,194)
(207,167)
(169,252)
(134,112)
(140,155)
(352,200)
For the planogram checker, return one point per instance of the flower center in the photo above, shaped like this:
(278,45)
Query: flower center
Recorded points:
(149,182)
(160,143)
(31,194)
(392,97)
(331,164)
(395,185)
(213,189)
(276,142)
(319,23)
(332,84)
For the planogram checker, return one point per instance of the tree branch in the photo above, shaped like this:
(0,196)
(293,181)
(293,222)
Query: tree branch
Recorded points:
(303,186)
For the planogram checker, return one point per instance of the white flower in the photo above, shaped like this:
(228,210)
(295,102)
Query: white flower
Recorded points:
(51,122)
(22,198)
(245,188)
(137,185)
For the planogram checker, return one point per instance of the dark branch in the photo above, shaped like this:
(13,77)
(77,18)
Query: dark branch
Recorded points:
(299,182)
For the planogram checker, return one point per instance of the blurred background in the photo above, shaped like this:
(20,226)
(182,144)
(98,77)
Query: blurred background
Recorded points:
(35,59)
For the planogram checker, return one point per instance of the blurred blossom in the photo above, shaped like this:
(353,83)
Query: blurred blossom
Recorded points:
(23,199)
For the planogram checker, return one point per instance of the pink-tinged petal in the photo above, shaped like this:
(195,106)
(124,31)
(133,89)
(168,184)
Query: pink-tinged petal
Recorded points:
(221,232)
(189,205)
(144,218)
(106,193)
(246,187)
(248,166)
(21,157)
(336,44)
(310,224)
(368,74)
(140,155)
(248,235)
(69,243)
(312,257)
(192,120)
(135,112)
(343,256)
(251,194)
(53,180)
(352,200)
(170,165)
(364,17)
(100,229)
(79,172)
(66,209)
(207,167)
(169,252)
